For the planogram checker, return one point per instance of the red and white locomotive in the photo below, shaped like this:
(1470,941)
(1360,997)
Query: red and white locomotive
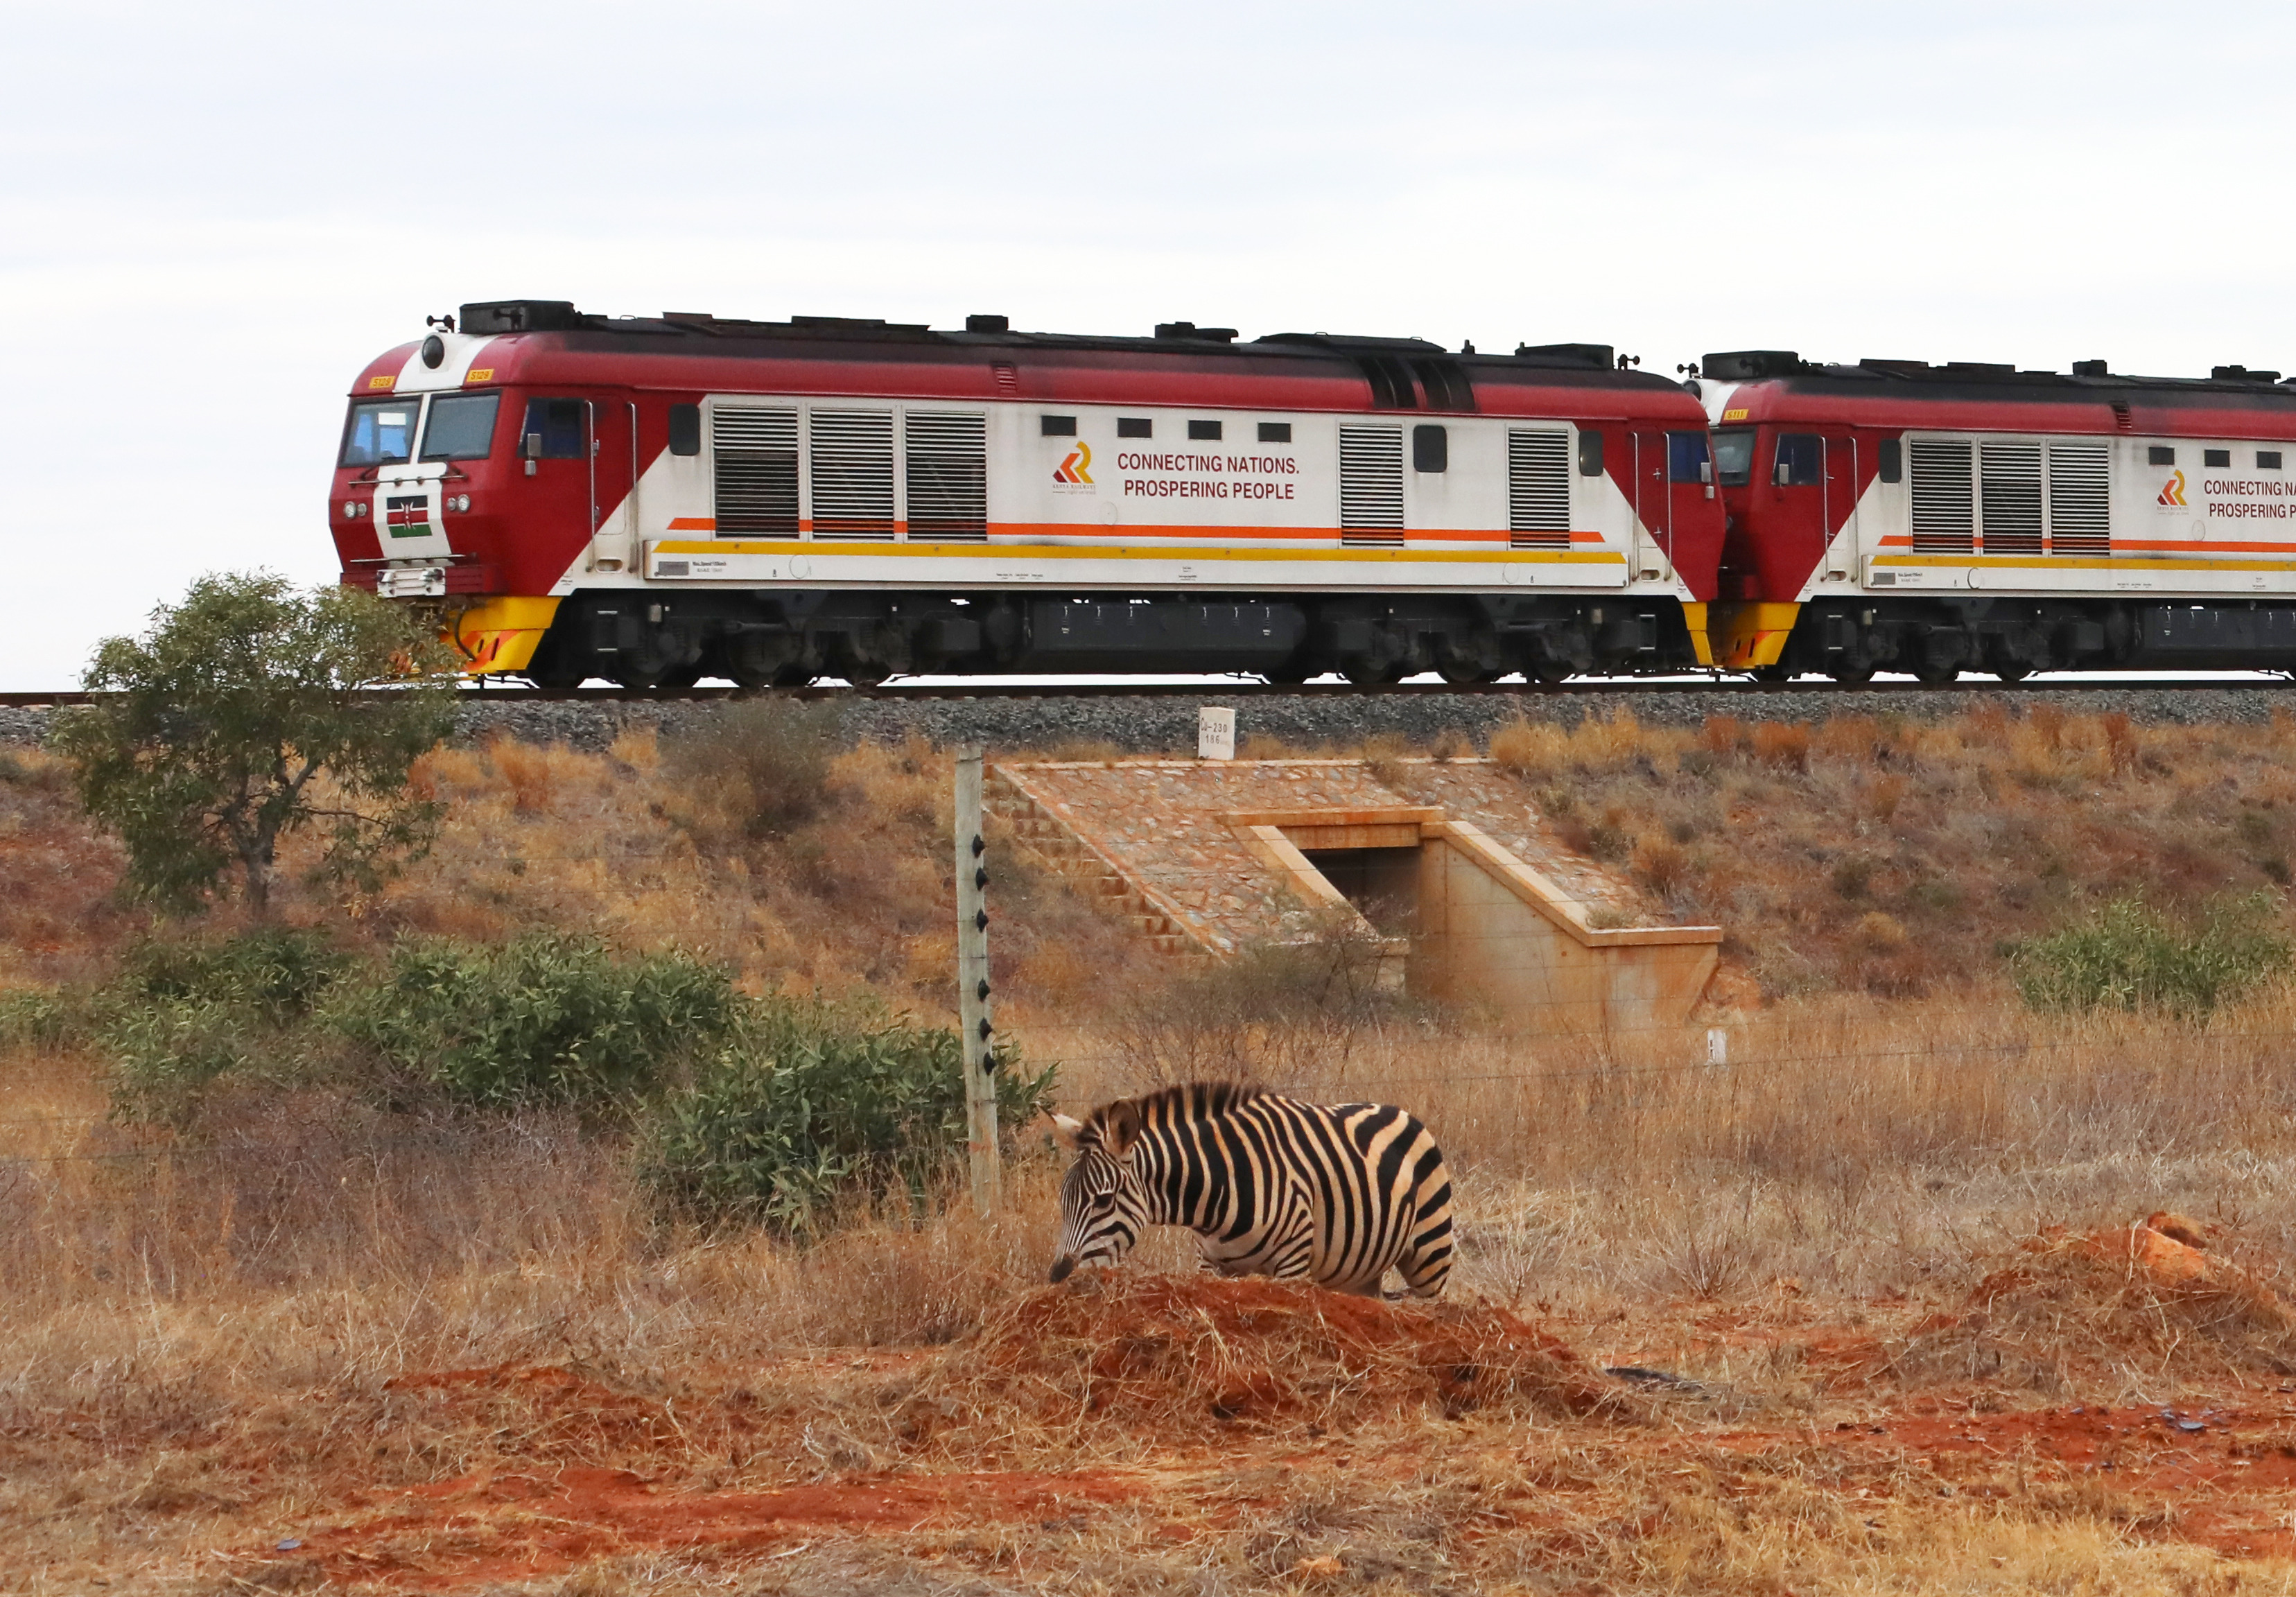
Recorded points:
(1893,515)
(652,500)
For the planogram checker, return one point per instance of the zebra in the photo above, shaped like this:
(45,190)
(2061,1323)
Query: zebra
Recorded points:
(1340,1194)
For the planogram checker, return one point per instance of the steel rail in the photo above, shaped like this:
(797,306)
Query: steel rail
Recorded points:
(897,693)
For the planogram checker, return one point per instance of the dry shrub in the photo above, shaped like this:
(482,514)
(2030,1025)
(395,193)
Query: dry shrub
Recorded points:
(1173,1355)
(1783,745)
(639,748)
(525,770)
(1879,933)
(1726,735)
(1383,755)
(1849,737)
(756,768)
(1882,795)
(1450,744)
(1661,866)
(1084,751)
(1531,748)
(2120,744)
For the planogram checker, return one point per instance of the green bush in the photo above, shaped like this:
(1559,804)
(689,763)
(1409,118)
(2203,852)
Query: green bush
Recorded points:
(812,1103)
(548,1019)
(277,972)
(2129,955)
(36,1018)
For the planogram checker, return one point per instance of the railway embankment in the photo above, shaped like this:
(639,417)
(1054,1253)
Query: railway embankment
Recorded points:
(1162,720)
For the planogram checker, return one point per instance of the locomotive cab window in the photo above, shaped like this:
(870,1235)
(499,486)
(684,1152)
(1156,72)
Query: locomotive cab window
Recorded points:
(1801,460)
(1734,457)
(1135,427)
(462,427)
(1687,459)
(380,432)
(559,425)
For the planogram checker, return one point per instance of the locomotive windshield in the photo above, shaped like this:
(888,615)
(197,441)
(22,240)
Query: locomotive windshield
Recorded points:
(381,432)
(1734,457)
(462,427)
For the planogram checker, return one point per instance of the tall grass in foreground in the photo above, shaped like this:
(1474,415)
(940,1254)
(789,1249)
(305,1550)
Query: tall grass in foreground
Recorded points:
(1852,1149)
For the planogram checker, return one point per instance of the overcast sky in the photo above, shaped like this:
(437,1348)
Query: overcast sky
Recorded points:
(212,216)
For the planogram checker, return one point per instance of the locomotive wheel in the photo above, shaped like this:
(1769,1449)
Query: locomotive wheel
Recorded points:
(1936,676)
(1367,674)
(1461,676)
(1285,676)
(2016,673)
(1548,671)
(1852,677)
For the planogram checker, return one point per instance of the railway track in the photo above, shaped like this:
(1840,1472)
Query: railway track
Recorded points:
(898,692)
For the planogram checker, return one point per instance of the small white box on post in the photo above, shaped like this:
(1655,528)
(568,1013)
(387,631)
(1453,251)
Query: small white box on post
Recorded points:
(1214,732)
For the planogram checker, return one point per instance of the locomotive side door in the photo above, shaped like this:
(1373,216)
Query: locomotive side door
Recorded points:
(575,448)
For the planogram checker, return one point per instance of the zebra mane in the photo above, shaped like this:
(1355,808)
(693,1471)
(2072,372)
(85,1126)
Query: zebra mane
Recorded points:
(1184,1104)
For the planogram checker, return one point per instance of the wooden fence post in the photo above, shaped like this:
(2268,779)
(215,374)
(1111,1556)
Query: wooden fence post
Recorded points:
(977,1035)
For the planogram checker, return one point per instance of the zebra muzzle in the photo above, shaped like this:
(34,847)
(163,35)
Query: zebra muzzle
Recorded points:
(1062,1268)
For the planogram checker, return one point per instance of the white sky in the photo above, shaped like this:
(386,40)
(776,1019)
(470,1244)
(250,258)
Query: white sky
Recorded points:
(212,216)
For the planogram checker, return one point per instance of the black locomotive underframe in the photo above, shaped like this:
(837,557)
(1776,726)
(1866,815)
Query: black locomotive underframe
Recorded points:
(1938,636)
(649,638)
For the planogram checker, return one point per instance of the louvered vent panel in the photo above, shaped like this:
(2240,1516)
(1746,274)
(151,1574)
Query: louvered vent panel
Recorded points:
(948,475)
(754,457)
(2080,499)
(852,474)
(1538,490)
(2009,492)
(1371,486)
(1944,518)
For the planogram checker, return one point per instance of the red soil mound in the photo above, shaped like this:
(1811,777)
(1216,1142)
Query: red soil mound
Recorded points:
(1192,1351)
(2066,1304)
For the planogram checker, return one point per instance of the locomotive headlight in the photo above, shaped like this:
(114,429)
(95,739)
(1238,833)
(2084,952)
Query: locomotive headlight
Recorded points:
(350,509)
(459,501)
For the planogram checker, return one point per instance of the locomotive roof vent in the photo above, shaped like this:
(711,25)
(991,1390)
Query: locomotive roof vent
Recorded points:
(521,316)
(2241,374)
(1749,365)
(1588,357)
(2091,368)
(1980,368)
(988,324)
(1189,330)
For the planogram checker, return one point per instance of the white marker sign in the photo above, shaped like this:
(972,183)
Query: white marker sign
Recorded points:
(1215,734)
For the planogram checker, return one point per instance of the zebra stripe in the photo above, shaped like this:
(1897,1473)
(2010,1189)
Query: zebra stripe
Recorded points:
(1272,1186)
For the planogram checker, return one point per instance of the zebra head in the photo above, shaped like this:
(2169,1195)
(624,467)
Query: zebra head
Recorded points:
(1104,1203)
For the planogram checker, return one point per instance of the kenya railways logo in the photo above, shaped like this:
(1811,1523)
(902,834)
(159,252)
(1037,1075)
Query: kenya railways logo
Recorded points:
(2172,492)
(1074,474)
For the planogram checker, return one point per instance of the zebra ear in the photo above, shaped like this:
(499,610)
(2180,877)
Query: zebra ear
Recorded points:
(1119,1128)
(1069,1134)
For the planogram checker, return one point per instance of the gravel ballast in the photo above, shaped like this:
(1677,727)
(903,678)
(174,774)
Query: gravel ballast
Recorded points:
(1165,723)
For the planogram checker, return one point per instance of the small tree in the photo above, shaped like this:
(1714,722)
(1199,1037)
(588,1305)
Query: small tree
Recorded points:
(218,722)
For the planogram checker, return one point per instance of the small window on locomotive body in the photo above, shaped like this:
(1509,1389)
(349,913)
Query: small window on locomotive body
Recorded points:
(559,424)
(2160,455)
(1687,459)
(1056,427)
(1890,460)
(1590,452)
(1800,459)
(685,430)
(1205,432)
(2268,459)
(1135,427)
(1431,447)
(380,432)
(1734,457)
(461,427)
(2221,459)
(1275,432)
